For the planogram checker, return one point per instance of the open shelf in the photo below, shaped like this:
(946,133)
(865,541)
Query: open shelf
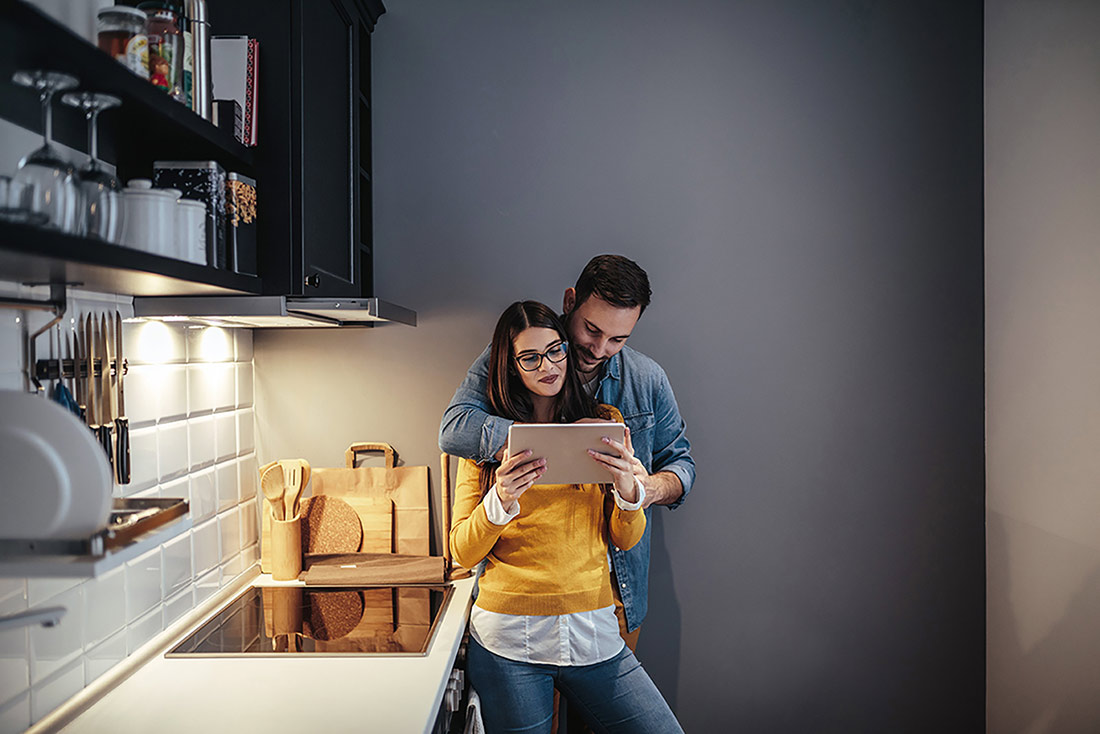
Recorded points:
(40,256)
(148,126)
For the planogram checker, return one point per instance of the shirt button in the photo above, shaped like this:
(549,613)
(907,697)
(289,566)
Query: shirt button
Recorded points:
(616,549)
(624,586)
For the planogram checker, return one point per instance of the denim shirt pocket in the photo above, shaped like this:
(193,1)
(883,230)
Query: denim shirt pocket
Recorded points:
(641,436)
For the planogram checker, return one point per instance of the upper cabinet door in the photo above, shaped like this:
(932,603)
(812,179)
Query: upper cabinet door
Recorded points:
(327,120)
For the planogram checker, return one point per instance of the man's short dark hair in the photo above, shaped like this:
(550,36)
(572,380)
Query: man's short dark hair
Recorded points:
(617,280)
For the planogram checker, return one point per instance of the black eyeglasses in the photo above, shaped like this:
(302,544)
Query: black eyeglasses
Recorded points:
(531,361)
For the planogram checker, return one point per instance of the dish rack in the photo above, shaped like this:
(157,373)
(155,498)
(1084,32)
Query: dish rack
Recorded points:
(130,519)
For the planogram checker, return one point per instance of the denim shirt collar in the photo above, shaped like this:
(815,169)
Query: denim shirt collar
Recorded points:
(612,369)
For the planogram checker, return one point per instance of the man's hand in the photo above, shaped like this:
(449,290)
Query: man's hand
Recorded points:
(514,475)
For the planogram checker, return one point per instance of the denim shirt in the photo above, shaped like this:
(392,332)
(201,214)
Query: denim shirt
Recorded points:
(639,388)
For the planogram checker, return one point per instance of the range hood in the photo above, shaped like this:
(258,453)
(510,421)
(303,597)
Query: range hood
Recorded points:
(268,312)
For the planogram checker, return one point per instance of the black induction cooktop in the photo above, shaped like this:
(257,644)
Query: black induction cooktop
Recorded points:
(321,621)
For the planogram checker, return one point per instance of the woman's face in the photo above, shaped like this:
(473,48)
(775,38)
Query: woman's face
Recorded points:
(547,379)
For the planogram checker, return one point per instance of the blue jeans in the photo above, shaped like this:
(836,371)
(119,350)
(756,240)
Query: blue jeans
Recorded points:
(616,695)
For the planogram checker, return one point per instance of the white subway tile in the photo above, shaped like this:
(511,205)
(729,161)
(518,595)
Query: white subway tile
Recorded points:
(206,586)
(200,389)
(228,492)
(142,388)
(104,606)
(177,488)
(248,479)
(41,589)
(244,344)
(246,430)
(176,562)
(12,381)
(225,436)
(205,546)
(12,589)
(172,442)
(250,532)
(229,524)
(143,580)
(178,605)
(251,555)
(203,445)
(173,394)
(11,341)
(245,389)
(104,656)
(211,344)
(15,715)
(223,381)
(15,670)
(60,687)
(52,648)
(144,629)
(204,496)
(154,342)
(144,470)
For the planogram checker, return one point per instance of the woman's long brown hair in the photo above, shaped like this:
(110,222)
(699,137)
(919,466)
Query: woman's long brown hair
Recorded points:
(508,396)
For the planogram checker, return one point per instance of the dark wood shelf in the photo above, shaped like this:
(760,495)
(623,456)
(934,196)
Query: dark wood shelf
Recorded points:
(148,126)
(37,256)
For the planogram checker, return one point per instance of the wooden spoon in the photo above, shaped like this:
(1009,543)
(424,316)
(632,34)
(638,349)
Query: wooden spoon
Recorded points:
(273,485)
(292,478)
(294,488)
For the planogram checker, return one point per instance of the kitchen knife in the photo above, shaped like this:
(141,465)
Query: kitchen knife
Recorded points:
(104,408)
(78,383)
(122,423)
(90,383)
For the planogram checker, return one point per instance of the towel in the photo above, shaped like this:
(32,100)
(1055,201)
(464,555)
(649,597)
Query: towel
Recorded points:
(474,724)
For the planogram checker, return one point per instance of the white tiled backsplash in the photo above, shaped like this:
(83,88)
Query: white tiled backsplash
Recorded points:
(189,401)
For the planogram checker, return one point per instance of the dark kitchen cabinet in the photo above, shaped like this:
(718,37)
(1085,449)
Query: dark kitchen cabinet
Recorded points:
(313,155)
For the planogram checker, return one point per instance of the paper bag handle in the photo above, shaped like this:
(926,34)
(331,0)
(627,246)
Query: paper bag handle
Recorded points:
(362,446)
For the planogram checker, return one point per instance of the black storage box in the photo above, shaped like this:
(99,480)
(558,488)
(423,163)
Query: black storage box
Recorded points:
(201,181)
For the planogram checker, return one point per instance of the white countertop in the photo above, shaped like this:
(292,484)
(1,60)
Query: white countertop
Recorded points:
(198,695)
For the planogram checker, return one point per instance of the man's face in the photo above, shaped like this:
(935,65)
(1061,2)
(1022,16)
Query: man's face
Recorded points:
(597,330)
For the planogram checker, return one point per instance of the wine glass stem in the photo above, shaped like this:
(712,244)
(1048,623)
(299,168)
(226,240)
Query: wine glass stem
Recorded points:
(47,116)
(93,138)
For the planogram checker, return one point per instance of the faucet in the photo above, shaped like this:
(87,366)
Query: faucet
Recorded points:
(47,617)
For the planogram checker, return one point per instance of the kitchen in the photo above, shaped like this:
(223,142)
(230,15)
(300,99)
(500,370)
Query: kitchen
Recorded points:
(868,229)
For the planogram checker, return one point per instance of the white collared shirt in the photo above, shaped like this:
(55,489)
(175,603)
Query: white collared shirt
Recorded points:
(580,638)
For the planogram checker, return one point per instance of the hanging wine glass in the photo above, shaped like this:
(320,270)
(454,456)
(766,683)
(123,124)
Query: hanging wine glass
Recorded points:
(100,198)
(48,177)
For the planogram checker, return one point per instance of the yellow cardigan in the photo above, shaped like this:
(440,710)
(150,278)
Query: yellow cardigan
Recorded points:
(552,557)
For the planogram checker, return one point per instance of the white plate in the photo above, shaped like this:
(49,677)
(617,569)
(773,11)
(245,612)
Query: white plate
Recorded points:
(56,479)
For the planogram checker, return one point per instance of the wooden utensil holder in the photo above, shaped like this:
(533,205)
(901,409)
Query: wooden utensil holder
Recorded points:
(286,549)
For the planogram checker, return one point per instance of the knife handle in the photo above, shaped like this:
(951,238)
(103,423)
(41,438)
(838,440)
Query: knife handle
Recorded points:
(122,449)
(103,434)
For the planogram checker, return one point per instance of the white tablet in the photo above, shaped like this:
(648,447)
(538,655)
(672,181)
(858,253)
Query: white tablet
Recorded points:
(565,448)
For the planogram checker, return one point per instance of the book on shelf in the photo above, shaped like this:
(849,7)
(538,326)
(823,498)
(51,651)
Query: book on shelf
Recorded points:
(234,71)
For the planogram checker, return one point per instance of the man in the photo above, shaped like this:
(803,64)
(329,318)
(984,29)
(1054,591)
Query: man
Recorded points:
(600,313)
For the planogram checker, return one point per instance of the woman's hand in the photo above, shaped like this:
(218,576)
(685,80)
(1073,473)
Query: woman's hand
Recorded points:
(514,475)
(623,466)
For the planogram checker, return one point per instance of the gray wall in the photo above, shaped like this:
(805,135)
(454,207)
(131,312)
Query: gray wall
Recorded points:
(1042,353)
(803,182)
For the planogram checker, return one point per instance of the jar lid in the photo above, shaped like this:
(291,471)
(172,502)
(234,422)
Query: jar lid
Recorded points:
(192,204)
(144,187)
(121,11)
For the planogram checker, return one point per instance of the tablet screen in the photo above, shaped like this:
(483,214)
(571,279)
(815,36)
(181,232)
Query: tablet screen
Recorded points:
(565,448)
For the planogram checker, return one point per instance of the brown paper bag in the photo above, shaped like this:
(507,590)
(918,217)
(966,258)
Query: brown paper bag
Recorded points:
(407,486)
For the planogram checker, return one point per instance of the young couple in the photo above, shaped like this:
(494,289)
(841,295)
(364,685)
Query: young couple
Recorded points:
(551,612)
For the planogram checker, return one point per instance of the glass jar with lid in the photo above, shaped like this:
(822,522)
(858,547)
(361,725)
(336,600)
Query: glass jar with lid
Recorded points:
(164,29)
(121,33)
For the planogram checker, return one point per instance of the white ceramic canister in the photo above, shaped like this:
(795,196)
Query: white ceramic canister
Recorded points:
(149,217)
(191,231)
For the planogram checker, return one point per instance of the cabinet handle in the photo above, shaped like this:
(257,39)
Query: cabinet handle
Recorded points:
(313,280)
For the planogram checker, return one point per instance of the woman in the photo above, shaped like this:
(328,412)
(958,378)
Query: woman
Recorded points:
(545,613)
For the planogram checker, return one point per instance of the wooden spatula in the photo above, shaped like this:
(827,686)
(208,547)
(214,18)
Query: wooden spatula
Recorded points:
(294,488)
(273,485)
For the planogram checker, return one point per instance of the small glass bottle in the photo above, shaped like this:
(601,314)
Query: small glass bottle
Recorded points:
(121,33)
